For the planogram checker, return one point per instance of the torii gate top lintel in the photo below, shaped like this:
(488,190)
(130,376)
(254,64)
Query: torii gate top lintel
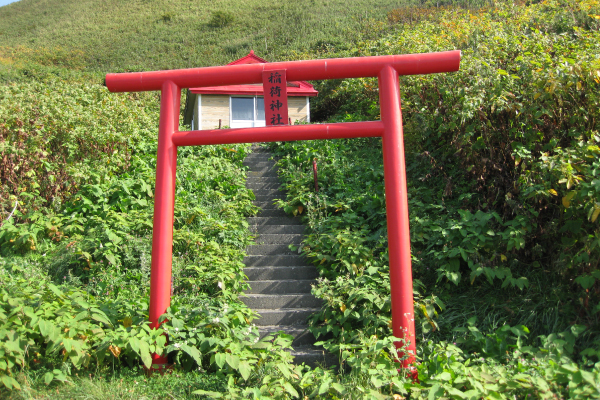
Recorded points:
(321,69)
(389,128)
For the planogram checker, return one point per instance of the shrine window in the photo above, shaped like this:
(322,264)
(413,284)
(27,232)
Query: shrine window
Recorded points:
(247,112)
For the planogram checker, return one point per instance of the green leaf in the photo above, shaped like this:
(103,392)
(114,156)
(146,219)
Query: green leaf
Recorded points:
(220,359)
(135,344)
(161,341)
(48,377)
(372,270)
(193,352)
(453,277)
(284,370)
(232,360)
(586,281)
(111,258)
(290,389)
(55,290)
(325,385)
(435,392)
(444,376)
(245,369)
(145,354)
(101,317)
(455,392)
(7,381)
(339,387)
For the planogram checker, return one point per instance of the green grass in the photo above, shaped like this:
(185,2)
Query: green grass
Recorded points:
(121,383)
(148,35)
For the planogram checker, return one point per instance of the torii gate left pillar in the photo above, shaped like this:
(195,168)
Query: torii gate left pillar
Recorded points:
(385,68)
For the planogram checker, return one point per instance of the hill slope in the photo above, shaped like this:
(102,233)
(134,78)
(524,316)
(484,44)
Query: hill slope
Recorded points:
(145,34)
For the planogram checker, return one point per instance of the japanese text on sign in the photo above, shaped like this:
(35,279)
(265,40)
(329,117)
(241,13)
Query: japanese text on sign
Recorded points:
(275,94)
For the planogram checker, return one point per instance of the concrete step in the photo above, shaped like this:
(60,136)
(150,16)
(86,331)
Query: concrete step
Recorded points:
(265,205)
(268,192)
(258,157)
(257,149)
(283,260)
(270,212)
(260,186)
(314,356)
(273,273)
(273,229)
(281,238)
(263,197)
(256,165)
(278,301)
(265,171)
(255,175)
(274,221)
(281,286)
(302,336)
(283,316)
(268,178)
(269,250)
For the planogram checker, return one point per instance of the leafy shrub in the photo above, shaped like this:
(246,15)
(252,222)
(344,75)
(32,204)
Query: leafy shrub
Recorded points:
(220,19)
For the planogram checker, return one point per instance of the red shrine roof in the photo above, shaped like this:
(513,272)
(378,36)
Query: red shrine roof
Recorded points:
(294,88)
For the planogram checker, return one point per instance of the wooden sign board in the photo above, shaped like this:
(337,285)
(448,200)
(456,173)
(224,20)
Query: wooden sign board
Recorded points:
(275,92)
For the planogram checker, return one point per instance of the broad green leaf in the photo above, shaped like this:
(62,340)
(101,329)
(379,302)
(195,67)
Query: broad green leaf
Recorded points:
(324,387)
(196,355)
(48,377)
(284,370)
(111,258)
(145,354)
(290,389)
(161,341)
(232,360)
(435,392)
(245,369)
(586,281)
(101,317)
(338,387)
(444,376)
(455,392)
(220,359)
(55,290)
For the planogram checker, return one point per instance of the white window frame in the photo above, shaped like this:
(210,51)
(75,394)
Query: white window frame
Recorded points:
(245,123)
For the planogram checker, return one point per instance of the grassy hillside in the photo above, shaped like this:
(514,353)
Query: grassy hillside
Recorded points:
(120,35)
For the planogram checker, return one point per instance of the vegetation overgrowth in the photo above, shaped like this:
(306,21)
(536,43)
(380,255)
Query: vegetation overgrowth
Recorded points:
(502,159)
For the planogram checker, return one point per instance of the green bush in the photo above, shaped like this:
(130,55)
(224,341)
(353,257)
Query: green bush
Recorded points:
(220,19)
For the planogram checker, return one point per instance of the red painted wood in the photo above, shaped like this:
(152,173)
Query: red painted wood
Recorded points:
(164,207)
(336,68)
(279,133)
(275,97)
(253,90)
(396,200)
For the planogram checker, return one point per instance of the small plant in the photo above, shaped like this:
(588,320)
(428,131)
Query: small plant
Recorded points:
(220,19)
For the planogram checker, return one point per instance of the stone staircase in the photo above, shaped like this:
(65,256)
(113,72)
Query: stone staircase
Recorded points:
(280,279)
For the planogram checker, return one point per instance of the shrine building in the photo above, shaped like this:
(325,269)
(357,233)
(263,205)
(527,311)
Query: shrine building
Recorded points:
(242,106)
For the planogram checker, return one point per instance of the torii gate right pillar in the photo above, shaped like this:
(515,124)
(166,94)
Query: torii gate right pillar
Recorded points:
(396,199)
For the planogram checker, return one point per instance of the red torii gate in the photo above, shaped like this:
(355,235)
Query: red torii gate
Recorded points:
(385,68)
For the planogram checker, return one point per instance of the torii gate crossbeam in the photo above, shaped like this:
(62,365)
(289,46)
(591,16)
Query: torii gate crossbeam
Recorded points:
(385,68)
